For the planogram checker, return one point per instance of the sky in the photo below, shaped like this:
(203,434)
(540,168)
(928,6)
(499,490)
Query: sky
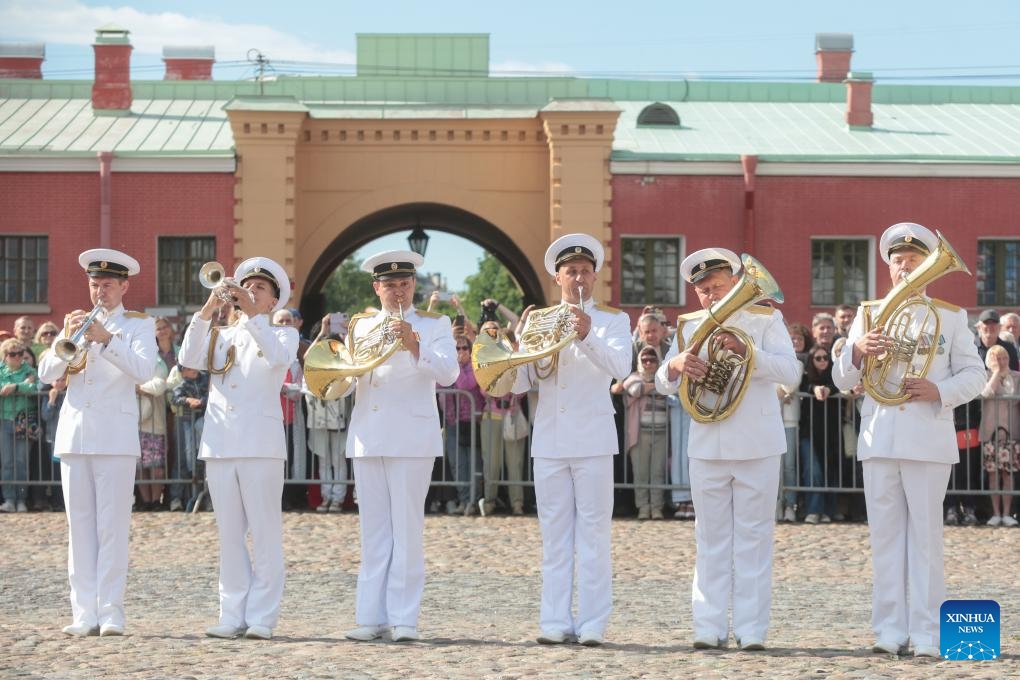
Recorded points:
(899,41)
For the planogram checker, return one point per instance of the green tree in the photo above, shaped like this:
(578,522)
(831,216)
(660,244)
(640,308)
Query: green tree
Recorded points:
(349,289)
(493,280)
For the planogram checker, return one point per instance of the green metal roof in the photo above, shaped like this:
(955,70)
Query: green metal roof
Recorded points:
(719,120)
(156,127)
(986,133)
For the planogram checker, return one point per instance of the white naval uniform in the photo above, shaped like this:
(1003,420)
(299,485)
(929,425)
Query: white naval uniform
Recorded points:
(907,453)
(573,444)
(245,451)
(394,437)
(734,482)
(98,446)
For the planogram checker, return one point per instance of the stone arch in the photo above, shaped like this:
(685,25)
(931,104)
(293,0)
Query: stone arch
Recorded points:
(434,217)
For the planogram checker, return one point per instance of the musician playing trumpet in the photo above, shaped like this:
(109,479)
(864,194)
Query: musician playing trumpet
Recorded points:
(573,444)
(243,442)
(97,437)
(734,459)
(907,449)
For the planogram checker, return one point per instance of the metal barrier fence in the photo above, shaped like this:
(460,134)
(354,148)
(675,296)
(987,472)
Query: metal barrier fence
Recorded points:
(823,475)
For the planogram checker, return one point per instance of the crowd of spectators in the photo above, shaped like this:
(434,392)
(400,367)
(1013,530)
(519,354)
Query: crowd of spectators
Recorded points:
(486,468)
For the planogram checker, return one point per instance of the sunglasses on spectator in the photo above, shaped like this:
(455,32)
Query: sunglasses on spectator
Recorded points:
(463,347)
(45,333)
(820,357)
(19,353)
(649,360)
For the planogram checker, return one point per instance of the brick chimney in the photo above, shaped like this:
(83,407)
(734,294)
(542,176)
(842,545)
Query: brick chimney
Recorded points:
(22,60)
(188,63)
(111,89)
(858,99)
(832,52)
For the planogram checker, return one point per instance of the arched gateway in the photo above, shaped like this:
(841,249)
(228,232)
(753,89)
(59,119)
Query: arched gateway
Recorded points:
(335,176)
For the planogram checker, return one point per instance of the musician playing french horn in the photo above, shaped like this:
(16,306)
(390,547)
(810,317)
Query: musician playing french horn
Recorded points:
(733,451)
(394,439)
(573,444)
(917,359)
(243,442)
(97,437)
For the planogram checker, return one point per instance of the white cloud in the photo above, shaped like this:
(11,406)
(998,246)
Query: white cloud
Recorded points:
(68,22)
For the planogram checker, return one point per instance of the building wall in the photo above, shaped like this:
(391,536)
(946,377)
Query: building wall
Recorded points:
(143,206)
(789,211)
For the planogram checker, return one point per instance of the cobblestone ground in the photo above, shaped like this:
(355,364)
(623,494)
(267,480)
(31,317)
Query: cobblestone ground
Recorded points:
(480,611)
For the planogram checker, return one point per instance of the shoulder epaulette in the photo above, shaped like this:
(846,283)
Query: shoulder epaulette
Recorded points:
(760,309)
(136,315)
(945,305)
(429,315)
(361,315)
(607,308)
(869,303)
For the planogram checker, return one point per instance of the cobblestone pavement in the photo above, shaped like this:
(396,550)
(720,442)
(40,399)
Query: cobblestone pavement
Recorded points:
(480,610)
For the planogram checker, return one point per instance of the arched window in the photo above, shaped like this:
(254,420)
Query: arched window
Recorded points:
(659,114)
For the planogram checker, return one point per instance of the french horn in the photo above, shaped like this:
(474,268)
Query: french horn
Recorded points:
(332,366)
(546,331)
(715,397)
(913,323)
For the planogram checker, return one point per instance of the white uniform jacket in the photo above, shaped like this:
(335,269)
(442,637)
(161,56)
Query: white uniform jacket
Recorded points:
(100,411)
(243,416)
(575,410)
(395,412)
(922,430)
(755,429)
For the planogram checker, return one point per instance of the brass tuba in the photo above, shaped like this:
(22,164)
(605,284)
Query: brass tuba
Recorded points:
(716,396)
(913,323)
(331,366)
(545,333)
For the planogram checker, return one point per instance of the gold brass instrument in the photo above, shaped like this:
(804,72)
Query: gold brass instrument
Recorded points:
(912,322)
(213,277)
(715,397)
(545,333)
(71,349)
(331,366)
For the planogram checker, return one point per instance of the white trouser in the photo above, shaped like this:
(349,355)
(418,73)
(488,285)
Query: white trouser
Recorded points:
(391,510)
(246,496)
(904,500)
(575,512)
(679,467)
(735,503)
(329,447)
(98,493)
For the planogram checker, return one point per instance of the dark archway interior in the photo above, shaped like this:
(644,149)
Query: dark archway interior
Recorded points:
(433,217)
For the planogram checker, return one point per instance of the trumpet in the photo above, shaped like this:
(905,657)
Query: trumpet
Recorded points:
(213,276)
(71,349)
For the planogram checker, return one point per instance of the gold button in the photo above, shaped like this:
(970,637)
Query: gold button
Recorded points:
(903,408)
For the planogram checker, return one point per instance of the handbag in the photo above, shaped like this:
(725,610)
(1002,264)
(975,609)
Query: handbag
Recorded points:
(515,426)
(26,426)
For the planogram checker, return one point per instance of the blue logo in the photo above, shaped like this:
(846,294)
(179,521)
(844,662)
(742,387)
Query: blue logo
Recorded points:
(970,630)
